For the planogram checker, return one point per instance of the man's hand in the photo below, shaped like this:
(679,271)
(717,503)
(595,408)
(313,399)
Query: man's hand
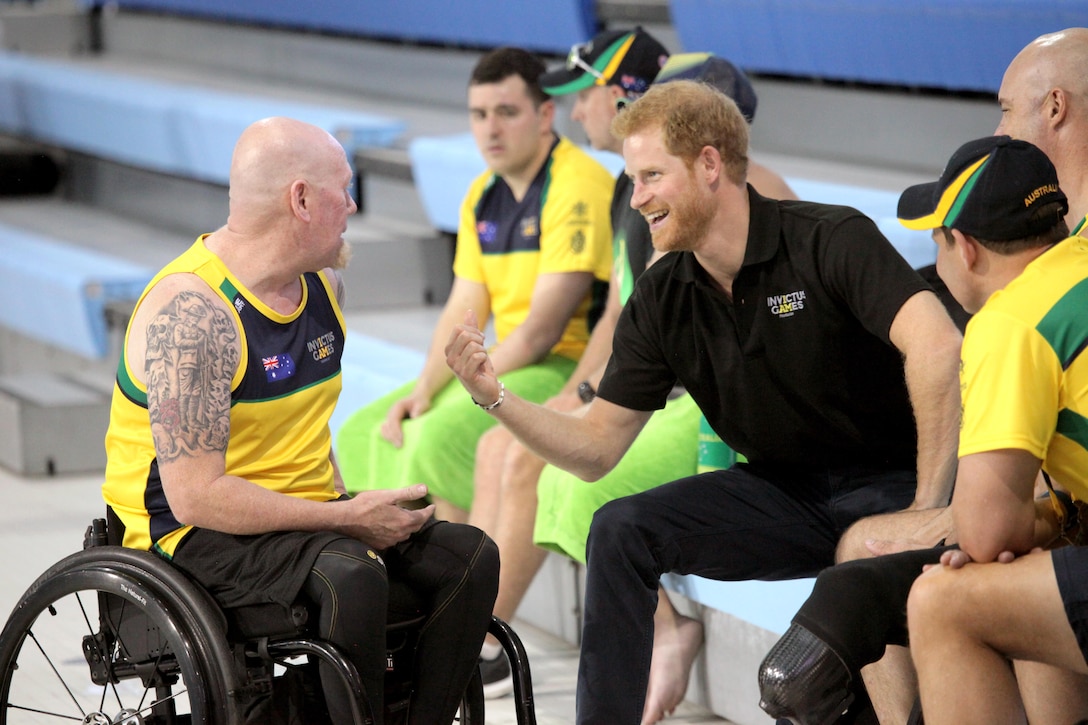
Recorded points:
(411,407)
(933,530)
(957,558)
(379,520)
(466,356)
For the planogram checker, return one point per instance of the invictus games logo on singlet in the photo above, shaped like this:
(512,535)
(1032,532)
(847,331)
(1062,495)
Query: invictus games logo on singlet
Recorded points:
(786,305)
(322,347)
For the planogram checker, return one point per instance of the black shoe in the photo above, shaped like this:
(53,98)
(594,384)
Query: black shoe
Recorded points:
(496,676)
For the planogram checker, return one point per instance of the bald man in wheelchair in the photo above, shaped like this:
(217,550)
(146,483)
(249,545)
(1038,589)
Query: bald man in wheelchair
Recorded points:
(219,449)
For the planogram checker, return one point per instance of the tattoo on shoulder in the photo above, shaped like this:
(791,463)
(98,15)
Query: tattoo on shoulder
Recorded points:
(192,353)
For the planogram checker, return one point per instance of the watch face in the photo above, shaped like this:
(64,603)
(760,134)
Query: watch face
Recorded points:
(586,391)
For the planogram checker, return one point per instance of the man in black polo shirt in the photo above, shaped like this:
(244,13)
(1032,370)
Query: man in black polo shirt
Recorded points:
(809,344)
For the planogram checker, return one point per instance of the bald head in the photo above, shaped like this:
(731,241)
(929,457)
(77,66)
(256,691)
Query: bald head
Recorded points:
(1055,60)
(1044,100)
(269,157)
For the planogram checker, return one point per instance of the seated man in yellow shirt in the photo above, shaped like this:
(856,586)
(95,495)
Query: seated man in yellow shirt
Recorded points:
(533,255)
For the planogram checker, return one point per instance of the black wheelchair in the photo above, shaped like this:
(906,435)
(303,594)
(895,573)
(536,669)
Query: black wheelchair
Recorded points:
(115,636)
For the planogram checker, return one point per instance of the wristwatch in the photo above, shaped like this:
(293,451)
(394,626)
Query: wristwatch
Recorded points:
(586,391)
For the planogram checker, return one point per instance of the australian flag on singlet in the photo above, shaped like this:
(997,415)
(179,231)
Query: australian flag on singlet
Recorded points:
(278,367)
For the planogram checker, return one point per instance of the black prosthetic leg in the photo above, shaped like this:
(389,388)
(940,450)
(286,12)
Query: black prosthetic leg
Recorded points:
(802,680)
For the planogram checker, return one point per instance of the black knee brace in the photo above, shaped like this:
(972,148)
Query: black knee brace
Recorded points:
(802,680)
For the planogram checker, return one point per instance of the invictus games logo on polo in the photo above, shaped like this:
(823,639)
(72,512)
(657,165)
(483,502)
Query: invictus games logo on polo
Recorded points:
(786,305)
(322,347)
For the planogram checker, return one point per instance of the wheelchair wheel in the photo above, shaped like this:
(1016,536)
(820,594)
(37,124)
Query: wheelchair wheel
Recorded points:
(105,637)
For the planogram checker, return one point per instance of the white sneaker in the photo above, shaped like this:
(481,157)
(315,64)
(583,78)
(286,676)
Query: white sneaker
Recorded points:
(497,678)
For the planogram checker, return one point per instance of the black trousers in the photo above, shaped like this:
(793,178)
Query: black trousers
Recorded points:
(447,572)
(747,522)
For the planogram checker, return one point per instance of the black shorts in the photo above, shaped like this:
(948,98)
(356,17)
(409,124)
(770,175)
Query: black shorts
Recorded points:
(244,570)
(1071,569)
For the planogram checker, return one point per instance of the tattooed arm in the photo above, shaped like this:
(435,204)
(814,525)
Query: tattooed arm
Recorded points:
(186,342)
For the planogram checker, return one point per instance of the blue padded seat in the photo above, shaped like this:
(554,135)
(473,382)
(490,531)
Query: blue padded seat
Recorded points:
(58,292)
(174,128)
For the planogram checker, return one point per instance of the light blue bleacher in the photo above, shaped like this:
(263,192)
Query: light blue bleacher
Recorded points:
(58,292)
(944,44)
(174,128)
(443,167)
(541,25)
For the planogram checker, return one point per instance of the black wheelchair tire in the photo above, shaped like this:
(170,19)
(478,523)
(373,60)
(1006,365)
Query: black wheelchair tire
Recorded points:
(148,584)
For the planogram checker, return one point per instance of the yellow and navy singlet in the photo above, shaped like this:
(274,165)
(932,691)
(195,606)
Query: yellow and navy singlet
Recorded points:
(1024,371)
(283,392)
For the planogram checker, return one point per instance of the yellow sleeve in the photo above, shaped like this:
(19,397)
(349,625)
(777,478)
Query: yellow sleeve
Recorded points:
(1011,381)
(467,259)
(575,226)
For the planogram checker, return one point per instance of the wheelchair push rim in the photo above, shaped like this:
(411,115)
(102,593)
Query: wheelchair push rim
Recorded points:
(64,657)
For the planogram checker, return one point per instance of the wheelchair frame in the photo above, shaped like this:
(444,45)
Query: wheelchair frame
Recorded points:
(148,628)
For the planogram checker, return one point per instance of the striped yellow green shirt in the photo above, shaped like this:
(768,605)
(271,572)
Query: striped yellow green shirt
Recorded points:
(1024,376)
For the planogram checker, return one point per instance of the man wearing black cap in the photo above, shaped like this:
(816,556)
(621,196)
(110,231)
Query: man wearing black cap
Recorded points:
(805,338)
(997,215)
(1025,396)
(1044,100)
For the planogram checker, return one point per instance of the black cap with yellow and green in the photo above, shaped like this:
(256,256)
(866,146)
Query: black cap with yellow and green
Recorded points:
(994,188)
(629,59)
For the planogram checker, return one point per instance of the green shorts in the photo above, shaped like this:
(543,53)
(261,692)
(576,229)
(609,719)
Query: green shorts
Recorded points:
(666,449)
(440,446)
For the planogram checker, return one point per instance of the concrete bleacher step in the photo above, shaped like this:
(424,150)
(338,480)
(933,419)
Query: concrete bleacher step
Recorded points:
(396,264)
(423,86)
(54,424)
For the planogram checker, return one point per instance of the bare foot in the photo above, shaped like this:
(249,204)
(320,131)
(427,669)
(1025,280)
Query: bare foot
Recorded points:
(675,647)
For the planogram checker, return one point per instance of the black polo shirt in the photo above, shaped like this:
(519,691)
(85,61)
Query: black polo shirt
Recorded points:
(798,368)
